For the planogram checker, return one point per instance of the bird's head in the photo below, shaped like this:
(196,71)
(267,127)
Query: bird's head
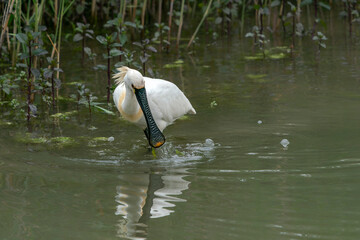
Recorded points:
(131,77)
(134,79)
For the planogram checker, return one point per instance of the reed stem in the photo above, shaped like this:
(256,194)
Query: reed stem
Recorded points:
(180,24)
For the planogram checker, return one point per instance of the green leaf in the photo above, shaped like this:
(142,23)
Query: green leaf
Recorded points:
(218,20)
(115,52)
(35,72)
(275,3)
(138,44)
(113,36)
(24,55)
(324,5)
(89,35)
(151,48)
(101,39)
(306,2)
(87,51)
(104,110)
(22,37)
(39,52)
(6,90)
(80,9)
(77,37)
(315,38)
(130,24)
(100,67)
(123,39)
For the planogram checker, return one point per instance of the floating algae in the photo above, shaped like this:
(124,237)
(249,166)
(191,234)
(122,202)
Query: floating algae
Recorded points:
(177,63)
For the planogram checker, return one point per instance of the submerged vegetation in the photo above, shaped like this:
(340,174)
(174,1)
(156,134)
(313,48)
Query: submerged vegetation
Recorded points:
(130,33)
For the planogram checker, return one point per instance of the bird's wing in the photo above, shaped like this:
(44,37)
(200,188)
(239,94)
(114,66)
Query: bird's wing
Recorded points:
(166,100)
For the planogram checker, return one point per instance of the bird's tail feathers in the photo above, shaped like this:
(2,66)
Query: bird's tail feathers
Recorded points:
(119,77)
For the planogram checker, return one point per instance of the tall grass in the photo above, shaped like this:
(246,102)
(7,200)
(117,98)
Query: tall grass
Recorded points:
(5,21)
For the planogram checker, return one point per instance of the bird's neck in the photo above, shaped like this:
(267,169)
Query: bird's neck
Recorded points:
(130,105)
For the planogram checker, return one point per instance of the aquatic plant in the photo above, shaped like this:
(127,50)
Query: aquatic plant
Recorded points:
(146,49)
(319,38)
(83,32)
(159,35)
(109,42)
(32,48)
(259,39)
(49,73)
(120,27)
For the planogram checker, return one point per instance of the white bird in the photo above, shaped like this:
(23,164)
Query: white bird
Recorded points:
(150,103)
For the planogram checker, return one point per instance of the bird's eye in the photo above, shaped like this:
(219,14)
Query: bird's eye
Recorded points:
(132,85)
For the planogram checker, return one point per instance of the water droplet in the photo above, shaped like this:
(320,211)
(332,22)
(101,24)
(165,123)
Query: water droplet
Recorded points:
(285,142)
(209,142)
(111,139)
(259,122)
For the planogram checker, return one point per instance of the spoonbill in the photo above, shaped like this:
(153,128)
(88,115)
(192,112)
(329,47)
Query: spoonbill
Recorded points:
(150,103)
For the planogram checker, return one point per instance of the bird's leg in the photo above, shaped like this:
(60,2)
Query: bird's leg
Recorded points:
(153,152)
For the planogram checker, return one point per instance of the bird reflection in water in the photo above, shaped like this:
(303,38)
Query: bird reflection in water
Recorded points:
(141,197)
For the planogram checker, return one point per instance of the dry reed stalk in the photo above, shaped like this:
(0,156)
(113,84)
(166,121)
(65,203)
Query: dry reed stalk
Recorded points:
(170,21)
(5,21)
(56,3)
(159,11)
(93,8)
(198,27)
(134,11)
(180,24)
(143,13)
(123,10)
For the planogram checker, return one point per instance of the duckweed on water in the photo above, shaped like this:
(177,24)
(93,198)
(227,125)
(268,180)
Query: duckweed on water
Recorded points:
(63,116)
(60,142)
(5,123)
(274,53)
(185,117)
(31,140)
(256,76)
(176,64)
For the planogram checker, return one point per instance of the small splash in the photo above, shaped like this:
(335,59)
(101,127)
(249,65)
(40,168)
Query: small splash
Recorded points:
(111,139)
(285,143)
(259,122)
(209,143)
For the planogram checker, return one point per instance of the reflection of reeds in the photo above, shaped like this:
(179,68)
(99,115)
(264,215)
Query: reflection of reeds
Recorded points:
(243,16)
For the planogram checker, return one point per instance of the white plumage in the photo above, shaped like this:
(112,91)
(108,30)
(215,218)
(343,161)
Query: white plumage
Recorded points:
(166,101)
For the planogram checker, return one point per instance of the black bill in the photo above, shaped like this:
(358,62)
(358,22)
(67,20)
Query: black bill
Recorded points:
(153,133)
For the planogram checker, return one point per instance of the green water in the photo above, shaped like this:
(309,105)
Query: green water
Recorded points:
(222,174)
